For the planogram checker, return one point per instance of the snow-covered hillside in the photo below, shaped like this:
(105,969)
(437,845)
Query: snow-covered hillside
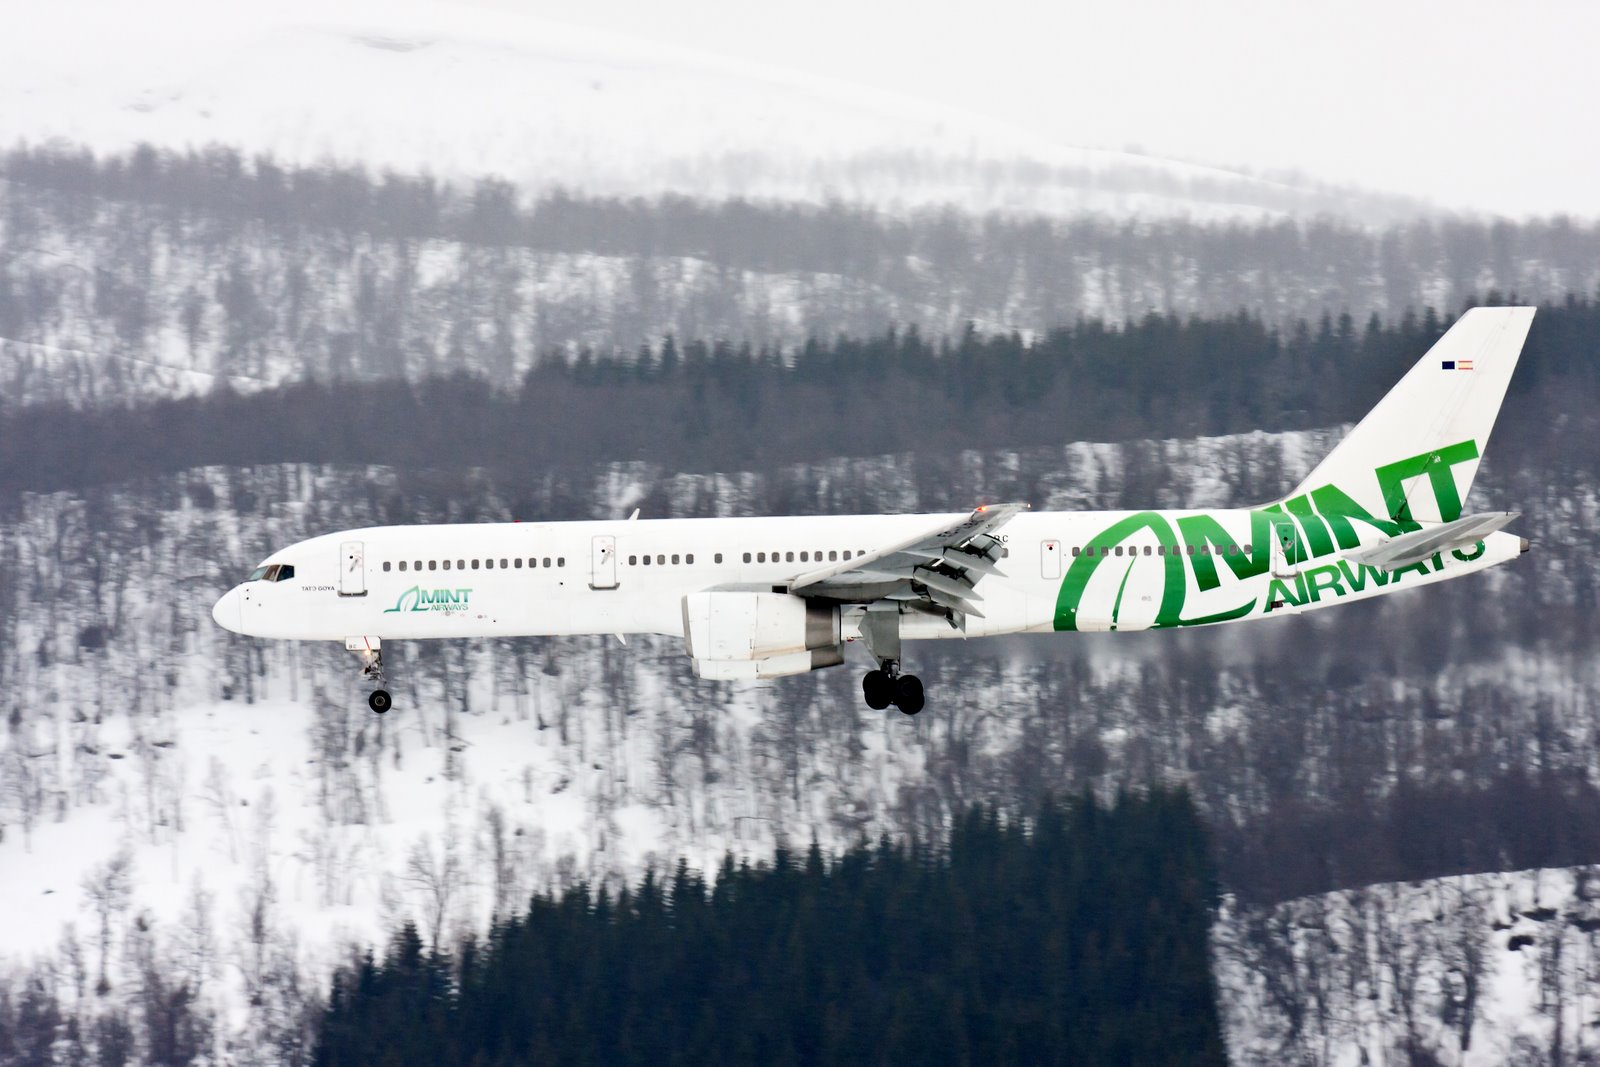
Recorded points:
(175,800)
(1484,969)
(102,298)
(464,92)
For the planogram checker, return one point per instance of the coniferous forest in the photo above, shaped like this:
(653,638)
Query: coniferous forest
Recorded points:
(700,406)
(1076,938)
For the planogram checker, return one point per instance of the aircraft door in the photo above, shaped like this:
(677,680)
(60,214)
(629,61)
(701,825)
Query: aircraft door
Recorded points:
(603,563)
(352,569)
(1049,559)
(1286,554)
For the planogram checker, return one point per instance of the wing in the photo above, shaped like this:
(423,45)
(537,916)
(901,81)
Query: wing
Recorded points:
(934,571)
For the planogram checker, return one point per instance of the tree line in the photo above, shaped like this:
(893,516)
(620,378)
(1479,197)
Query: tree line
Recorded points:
(714,406)
(1077,936)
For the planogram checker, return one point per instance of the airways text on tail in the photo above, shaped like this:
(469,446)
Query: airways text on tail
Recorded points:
(765,597)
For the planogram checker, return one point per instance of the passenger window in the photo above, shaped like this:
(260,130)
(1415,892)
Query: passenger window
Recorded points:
(689,559)
(561,561)
(674,559)
(547,561)
(847,554)
(386,566)
(518,563)
(474,564)
(1248,551)
(761,557)
(647,561)
(433,564)
(788,557)
(1147,550)
(714,559)
(446,564)
(488,564)
(532,562)
(803,557)
(633,561)
(833,555)
(662,559)
(402,565)
(502,564)
(747,557)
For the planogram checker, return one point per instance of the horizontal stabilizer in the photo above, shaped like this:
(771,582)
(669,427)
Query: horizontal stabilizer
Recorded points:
(1423,544)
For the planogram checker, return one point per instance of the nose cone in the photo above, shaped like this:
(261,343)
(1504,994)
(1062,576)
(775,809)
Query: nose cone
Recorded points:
(226,611)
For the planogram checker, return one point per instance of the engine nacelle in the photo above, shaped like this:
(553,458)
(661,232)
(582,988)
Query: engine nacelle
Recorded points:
(741,635)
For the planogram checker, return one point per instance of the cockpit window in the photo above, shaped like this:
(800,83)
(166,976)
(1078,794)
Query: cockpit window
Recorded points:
(285,572)
(258,574)
(277,572)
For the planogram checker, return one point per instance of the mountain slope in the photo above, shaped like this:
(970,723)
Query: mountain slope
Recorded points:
(267,817)
(465,92)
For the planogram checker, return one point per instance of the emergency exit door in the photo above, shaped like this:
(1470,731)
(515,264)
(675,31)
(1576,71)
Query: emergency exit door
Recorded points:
(603,563)
(352,569)
(1049,559)
(1286,554)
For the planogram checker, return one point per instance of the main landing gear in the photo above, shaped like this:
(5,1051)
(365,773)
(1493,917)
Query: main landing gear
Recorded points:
(887,685)
(371,652)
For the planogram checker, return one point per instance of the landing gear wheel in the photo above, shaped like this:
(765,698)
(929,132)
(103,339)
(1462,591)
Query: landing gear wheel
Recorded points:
(908,694)
(379,700)
(878,688)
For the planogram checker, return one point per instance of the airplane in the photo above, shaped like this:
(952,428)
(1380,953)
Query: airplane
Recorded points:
(756,598)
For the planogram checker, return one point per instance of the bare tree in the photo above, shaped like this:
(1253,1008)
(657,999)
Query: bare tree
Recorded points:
(438,877)
(109,888)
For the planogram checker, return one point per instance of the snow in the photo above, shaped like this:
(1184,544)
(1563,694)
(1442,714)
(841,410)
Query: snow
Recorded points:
(466,92)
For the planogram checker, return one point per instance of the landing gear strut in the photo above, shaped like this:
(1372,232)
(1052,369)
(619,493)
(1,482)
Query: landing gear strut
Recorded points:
(371,652)
(886,685)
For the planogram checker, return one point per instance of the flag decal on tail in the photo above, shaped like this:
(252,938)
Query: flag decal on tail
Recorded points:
(1455,364)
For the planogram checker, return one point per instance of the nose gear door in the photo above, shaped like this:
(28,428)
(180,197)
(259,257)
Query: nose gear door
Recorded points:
(352,569)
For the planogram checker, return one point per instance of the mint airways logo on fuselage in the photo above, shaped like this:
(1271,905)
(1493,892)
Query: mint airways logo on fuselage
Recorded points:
(1309,526)
(419,599)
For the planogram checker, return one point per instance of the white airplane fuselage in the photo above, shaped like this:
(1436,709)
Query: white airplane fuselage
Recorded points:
(545,579)
(766,597)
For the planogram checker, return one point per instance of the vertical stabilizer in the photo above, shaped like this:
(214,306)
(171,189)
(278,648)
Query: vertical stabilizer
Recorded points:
(1413,458)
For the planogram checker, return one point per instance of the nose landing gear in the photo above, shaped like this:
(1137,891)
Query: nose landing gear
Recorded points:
(370,649)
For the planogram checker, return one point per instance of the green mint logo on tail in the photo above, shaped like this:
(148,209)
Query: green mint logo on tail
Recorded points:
(1326,515)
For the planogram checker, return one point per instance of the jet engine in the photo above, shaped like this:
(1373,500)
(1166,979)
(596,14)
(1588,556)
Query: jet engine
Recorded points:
(735,634)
